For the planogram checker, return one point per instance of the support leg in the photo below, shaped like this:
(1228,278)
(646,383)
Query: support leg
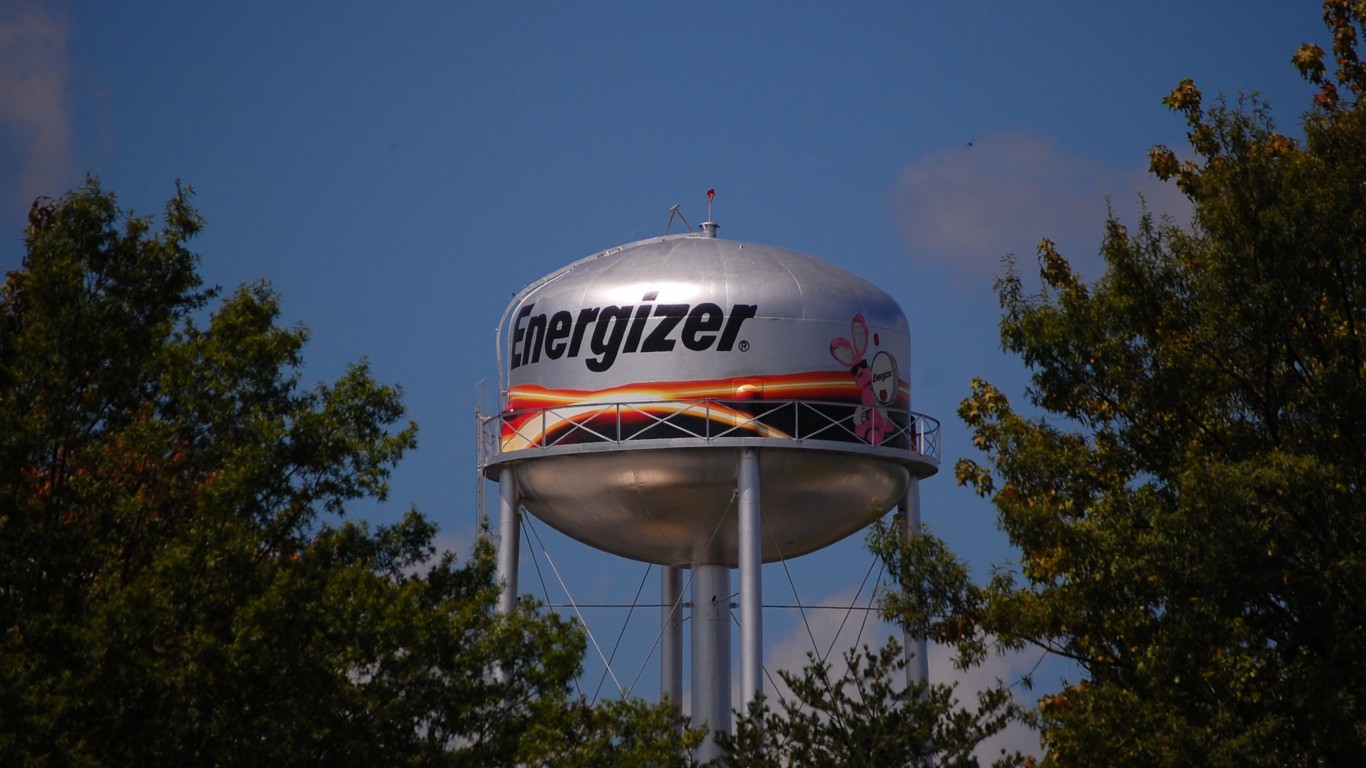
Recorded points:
(509,539)
(751,583)
(711,653)
(671,642)
(919,668)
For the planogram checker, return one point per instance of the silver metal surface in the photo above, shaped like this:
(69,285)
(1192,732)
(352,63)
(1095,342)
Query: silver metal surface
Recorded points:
(711,654)
(751,584)
(677,506)
(801,305)
(630,379)
(671,499)
(509,539)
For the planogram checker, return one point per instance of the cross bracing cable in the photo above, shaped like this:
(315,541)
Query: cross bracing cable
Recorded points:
(587,629)
(545,590)
(625,623)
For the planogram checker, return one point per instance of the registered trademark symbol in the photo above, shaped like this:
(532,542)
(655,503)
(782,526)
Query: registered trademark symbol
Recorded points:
(744,345)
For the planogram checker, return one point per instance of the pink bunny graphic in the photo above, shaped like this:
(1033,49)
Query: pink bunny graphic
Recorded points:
(870,420)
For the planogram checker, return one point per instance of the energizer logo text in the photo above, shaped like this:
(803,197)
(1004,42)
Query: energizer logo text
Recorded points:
(612,330)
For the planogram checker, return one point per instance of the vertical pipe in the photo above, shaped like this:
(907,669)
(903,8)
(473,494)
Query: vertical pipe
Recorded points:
(918,671)
(509,539)
(711,654)
(671,642)
(751,583)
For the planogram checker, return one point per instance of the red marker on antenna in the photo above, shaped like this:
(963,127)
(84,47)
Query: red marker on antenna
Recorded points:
(711,195)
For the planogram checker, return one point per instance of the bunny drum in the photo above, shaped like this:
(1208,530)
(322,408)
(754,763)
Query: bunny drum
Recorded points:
(632,380)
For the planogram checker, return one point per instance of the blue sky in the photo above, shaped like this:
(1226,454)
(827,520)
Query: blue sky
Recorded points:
(398,171)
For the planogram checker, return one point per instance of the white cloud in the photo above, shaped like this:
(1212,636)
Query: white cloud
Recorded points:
(970,206)
(35,123)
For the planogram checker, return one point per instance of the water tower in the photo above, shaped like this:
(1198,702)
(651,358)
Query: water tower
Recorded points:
(705,404)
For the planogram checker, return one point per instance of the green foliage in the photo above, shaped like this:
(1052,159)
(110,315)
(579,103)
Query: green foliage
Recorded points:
(177,586)
(867,717)
(614,733)
(1191,528)
(935,597)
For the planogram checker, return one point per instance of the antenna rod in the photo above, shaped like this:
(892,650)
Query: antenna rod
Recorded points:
(675,211)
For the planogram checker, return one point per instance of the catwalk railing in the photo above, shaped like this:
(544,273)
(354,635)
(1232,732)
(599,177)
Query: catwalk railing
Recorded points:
(711,421)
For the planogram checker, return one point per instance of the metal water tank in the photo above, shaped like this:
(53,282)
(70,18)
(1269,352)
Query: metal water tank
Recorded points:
(631,380)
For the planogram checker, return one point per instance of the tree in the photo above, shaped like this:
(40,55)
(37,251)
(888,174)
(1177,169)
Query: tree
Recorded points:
(178,585)
(867,718)
(1189,511)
